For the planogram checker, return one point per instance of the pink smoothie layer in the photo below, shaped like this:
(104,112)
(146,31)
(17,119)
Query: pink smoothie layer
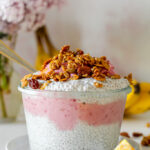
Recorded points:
(66,113)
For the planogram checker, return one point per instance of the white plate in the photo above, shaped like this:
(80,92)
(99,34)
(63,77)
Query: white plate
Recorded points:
(22,143)
(19,143)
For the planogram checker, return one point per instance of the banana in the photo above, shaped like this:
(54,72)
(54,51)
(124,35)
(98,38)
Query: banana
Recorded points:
(41,57)
(43,44)
(138,101)
(133,96)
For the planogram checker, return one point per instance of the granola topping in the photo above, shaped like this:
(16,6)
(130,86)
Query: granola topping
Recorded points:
(44,85)
(125,134)
(74,65)
(137,134)
(146,141)
(98,85)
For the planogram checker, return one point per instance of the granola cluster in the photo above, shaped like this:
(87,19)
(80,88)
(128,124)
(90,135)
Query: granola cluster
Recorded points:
(74,65)
(145,139)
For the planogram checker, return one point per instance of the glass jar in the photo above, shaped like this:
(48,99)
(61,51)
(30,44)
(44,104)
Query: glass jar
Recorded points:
(74,120)
(9,78)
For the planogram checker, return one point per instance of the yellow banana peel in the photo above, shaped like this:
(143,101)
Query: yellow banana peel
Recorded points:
(44,46)
(41,57)
(138,101)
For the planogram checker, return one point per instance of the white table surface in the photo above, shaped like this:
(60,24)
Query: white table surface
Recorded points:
(9,131)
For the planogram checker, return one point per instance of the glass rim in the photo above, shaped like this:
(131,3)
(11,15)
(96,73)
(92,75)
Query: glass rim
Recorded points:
(35,91)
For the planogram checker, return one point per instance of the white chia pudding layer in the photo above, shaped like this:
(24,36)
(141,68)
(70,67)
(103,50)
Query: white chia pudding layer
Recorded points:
(85,84)
(82,137)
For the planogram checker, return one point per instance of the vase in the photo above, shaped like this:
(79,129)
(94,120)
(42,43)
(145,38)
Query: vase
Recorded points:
(9,78)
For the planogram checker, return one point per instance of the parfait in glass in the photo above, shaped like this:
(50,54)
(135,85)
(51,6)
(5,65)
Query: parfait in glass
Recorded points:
(76,102)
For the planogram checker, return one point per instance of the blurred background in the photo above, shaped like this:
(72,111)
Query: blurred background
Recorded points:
(118,29)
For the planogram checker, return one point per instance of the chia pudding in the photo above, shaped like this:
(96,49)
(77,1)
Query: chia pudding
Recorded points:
(75,102)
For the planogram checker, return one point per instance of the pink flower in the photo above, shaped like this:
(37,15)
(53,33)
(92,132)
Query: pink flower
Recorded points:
(37,6)
(35,12)
(30,13)
(8,27)
(12,11)
(33,21)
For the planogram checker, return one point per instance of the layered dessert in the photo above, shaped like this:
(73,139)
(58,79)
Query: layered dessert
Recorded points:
(75,102)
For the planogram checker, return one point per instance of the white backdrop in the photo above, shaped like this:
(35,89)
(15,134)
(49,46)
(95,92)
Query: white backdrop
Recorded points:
(119,29)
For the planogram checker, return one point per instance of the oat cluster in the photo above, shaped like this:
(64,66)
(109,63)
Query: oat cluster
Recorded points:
(146,141)
(74,65)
